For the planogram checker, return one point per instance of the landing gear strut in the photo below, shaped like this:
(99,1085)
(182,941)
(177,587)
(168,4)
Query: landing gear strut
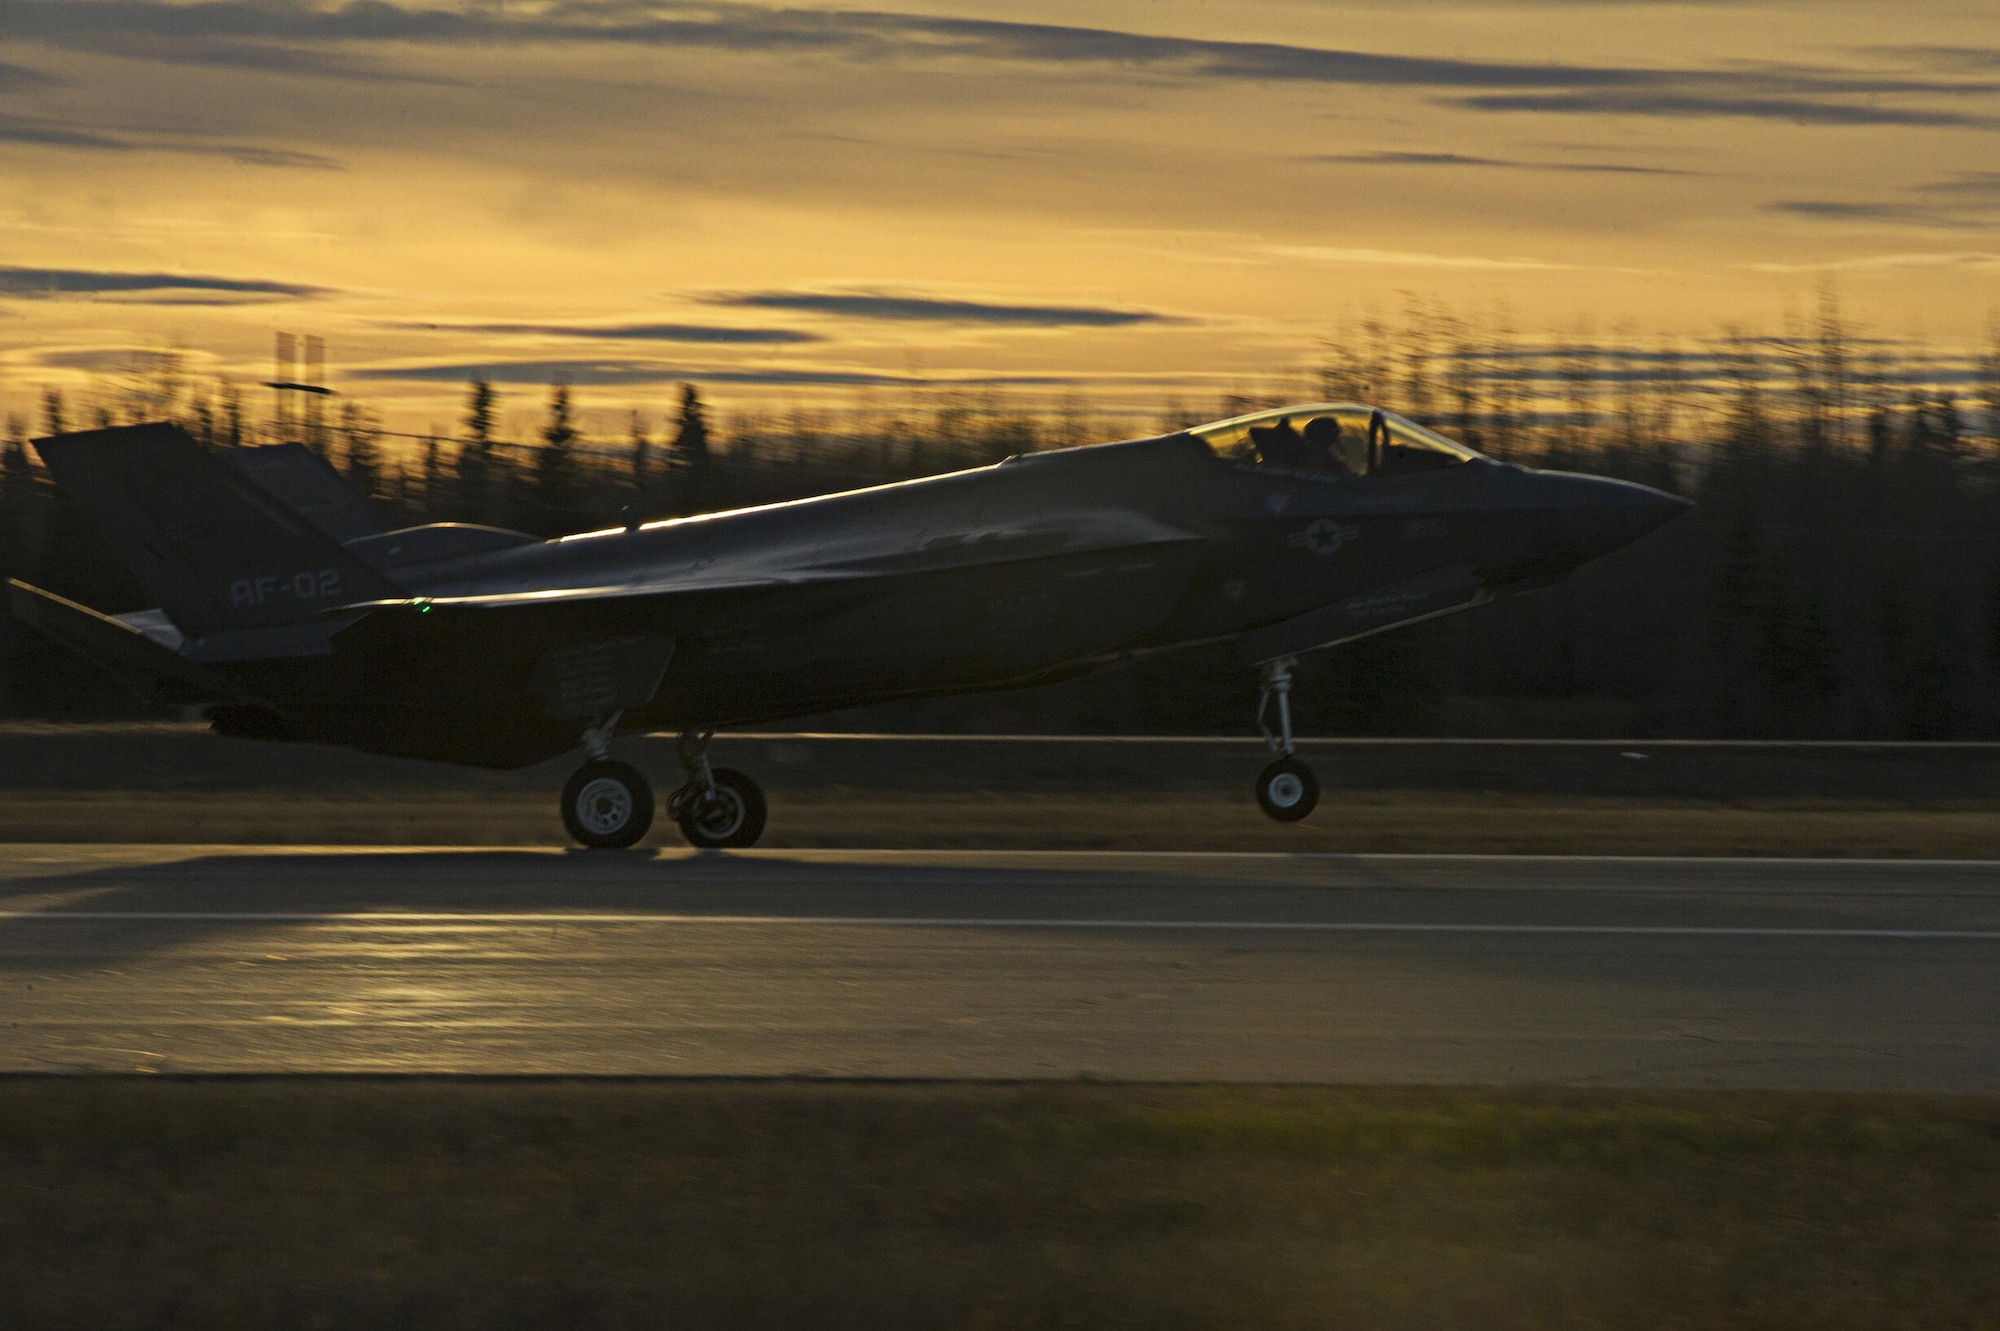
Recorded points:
(719,807)
(606,804)
(1287,790)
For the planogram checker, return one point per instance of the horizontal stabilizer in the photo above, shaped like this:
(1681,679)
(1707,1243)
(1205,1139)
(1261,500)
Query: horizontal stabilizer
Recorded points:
(155,673)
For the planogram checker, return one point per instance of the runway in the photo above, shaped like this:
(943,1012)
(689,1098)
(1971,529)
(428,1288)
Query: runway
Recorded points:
(1575,971)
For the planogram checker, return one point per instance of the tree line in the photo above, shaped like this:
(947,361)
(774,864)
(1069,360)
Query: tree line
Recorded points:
(1839,578)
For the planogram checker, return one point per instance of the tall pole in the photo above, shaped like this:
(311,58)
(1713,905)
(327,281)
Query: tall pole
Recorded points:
(285,375)
(315,405)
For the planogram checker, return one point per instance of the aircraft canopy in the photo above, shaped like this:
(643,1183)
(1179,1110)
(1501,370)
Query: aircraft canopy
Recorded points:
(1334,439)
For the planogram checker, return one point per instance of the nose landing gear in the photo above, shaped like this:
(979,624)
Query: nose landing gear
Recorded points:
(719,807)
(1287,790)
(606,804)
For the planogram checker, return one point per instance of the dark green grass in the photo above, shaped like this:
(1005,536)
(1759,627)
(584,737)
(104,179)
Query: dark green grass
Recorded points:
(332,1202)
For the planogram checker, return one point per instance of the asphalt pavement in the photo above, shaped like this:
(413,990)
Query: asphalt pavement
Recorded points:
(1839,975)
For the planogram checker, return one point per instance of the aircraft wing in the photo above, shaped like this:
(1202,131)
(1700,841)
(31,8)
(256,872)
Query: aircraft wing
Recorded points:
(857,560)
(651,589)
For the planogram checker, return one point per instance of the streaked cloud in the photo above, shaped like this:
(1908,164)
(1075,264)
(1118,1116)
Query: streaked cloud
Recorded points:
(715,334)
(257,29)
(1680,105)
(1968,259)
(47,283)
(56,134)
(1967,201)
(613,373)
(110,360)
(1462,159)
(1835,210)
(1973,184)
(932,309)
(19,78)
(1401,258)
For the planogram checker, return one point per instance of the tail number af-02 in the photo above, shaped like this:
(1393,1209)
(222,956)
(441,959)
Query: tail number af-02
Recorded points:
(302,586)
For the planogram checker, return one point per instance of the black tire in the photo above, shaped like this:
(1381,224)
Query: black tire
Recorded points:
(729,819)
(1287,790)
(607,805)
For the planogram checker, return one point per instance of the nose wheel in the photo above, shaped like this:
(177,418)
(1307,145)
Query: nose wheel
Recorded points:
(1287,790)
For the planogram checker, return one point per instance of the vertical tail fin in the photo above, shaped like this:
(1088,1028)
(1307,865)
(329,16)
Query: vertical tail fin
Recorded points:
(217,550)
(307,484)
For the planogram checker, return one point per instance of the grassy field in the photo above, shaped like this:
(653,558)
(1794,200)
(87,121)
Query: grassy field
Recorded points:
(1346,821)
(326,1202)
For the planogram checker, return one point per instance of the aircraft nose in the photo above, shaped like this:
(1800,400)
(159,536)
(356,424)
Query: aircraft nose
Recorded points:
(1599,515)
(1629,511)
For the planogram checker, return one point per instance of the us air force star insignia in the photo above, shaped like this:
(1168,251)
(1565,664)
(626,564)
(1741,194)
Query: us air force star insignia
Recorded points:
(1323,536)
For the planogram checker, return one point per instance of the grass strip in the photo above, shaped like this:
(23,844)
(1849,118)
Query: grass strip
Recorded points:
(499,1204)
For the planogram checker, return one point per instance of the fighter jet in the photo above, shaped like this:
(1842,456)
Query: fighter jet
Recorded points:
(290,613)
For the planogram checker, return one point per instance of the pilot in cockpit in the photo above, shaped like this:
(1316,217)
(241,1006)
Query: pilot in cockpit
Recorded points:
(1321,445)
(1279,445)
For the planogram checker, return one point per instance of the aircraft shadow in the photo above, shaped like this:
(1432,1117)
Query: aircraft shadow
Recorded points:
(221,894)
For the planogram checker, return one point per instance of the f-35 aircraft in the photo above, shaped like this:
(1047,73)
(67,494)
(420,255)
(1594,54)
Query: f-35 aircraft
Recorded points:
(289,610)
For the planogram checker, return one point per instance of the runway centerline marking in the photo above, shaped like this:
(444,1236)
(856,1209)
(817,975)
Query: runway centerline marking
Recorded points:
(363,918)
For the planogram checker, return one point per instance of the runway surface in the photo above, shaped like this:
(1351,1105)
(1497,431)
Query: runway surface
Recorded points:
(1703,973)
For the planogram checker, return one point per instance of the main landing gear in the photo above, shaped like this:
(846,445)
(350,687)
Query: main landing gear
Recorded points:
(719,807)
(1287,790)
(608,804)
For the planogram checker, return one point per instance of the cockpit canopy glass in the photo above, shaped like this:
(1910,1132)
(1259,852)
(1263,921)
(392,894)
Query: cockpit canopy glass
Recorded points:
(1332,439)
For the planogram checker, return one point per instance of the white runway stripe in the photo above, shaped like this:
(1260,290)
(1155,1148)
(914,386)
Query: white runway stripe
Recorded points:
(359,918)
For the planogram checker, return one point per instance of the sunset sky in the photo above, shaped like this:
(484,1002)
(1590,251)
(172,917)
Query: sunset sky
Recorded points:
(1115,197)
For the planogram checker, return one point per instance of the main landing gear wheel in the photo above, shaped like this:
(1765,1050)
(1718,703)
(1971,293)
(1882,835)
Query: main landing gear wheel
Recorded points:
(1287,790)
(726,814)
(607,804)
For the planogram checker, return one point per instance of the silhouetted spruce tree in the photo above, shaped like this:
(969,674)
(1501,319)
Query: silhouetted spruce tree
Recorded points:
(477,483)
(16,476)
(362,455)
(231,428)
(691,426)
(691,451)
(556,462)
(642,448)
(1989,380)
(200,421)
(54,417)
(432,501)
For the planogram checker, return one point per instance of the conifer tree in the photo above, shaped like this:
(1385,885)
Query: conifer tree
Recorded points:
(363,457)
(232,416)
(476,481)
(690,450)
(53,416)
(641,452)
(432,474)
(555,462)
(15,480)
(691,427)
